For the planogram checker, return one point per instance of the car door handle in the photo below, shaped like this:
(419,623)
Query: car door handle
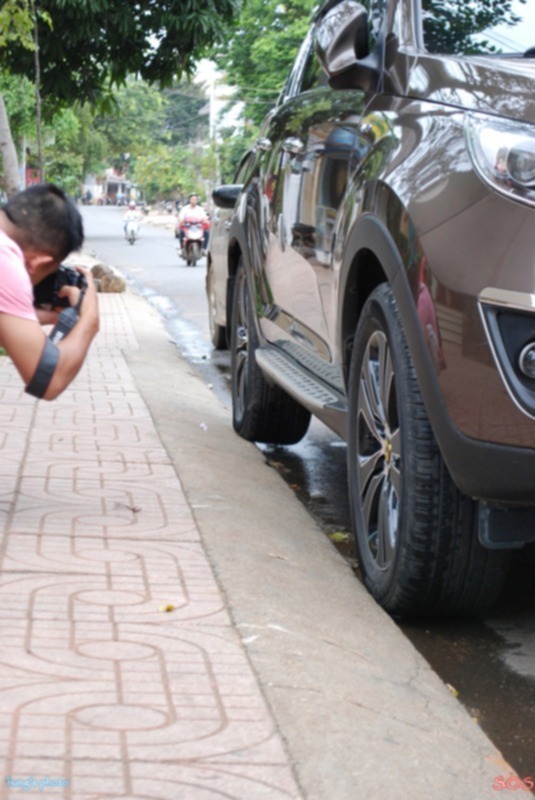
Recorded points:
(293,145)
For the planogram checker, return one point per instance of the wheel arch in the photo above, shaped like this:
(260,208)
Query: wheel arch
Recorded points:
(364,273)
(233,259)
(372,256)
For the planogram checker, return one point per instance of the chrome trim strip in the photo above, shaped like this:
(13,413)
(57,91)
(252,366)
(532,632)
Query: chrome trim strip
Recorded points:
(504,297)
(490,296)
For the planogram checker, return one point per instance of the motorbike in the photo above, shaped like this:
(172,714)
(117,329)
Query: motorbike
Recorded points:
(192,245)
(132,230)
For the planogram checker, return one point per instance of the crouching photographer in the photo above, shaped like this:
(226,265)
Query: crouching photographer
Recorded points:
(39,227)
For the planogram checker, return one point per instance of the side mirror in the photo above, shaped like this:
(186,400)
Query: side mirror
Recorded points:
(342,37)
(226,196)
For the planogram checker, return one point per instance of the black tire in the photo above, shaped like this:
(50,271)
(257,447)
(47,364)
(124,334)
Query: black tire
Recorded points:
(415,533)
(195,254)
(218,333)
(261,412)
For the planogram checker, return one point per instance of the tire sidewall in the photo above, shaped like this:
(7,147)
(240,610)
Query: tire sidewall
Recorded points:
(379,314)
(239,413)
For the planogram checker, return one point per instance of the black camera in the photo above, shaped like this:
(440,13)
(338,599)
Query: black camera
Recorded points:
(45,293)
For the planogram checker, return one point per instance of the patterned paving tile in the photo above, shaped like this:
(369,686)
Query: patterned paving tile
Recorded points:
(120,672)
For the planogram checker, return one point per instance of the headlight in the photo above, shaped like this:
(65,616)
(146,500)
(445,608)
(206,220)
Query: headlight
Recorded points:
(503,154)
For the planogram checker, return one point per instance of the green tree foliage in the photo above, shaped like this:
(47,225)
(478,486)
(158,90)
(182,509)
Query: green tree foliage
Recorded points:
(185,116)
(63,154)
(456,26)
(232,149)
(92,45)
(87,47)
(142,116)
(16,23)
(91,144)
(16,26)
(152,128)
(172,172)
(135,122)
(73,146)
(262,49)
(19,97)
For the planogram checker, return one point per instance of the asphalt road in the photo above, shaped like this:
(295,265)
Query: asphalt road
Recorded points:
(489,662)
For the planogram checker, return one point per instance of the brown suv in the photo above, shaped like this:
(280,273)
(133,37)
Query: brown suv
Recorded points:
(382,262)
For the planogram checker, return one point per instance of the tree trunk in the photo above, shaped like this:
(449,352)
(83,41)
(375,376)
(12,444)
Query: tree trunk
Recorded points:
(9,154)
(37,66)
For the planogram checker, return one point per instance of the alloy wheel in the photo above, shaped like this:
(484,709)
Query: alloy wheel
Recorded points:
(379,450)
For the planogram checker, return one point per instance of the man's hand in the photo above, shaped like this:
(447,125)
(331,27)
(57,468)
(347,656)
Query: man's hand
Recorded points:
(73,295)
(73,348)
(89,306)
(24,340)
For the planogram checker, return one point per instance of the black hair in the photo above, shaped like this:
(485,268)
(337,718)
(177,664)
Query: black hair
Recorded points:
(48,219)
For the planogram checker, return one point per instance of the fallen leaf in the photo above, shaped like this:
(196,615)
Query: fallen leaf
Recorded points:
(167,607)
(339,536)
(134,509)
(276,464)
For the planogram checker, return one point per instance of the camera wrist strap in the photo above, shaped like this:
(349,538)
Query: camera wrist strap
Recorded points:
(67,319)
(45,369)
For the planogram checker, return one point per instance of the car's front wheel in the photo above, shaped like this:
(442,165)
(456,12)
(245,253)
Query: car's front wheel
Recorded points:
(415,532)
(261,412)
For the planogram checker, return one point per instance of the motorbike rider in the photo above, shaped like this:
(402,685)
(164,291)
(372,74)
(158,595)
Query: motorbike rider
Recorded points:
(193,212)
(131,215)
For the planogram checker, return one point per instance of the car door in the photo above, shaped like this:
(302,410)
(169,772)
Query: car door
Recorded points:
(316,145)
(219,241)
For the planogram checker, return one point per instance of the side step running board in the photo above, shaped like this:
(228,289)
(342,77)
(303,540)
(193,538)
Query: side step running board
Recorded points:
(297,381)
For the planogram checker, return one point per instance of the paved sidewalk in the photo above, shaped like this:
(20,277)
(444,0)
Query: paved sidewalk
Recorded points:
(164,637)
(121,674)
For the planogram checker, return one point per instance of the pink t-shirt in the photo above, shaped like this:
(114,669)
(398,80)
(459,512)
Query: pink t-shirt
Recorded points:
(16,293)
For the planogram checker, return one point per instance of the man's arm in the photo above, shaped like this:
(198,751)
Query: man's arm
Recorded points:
(24,341)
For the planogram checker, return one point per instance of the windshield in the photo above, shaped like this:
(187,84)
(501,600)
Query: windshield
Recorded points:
(474,27)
